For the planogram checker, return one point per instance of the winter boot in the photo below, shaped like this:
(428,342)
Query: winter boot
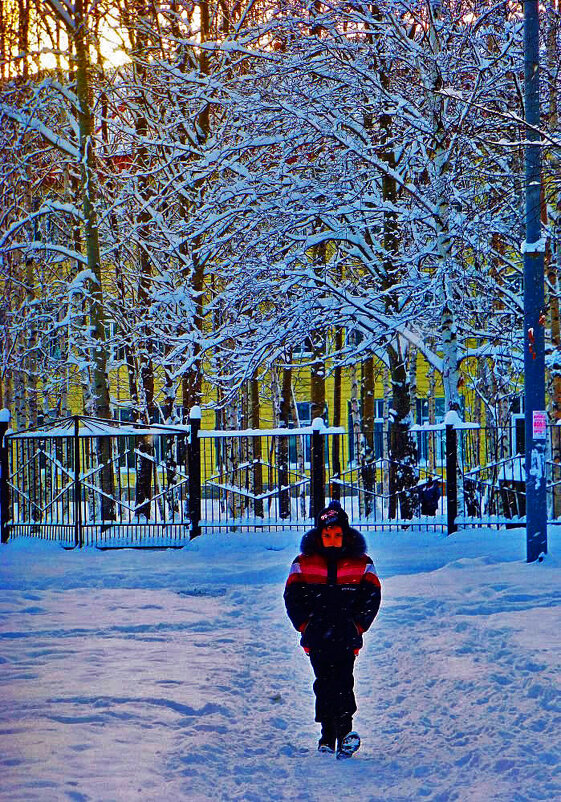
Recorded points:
(348,740)
(328,736)
(347,746)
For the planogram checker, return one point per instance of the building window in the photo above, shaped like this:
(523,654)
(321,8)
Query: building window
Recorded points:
(115,342)
(302,350)
(126,445)
(423,410)
(378,429)
(423,444)
(304,409)
(353,337)
(304,419)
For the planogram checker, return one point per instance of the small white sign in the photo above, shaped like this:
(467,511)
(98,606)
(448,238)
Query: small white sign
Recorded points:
(539,424)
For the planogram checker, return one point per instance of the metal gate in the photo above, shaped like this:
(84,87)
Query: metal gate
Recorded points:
(85,481)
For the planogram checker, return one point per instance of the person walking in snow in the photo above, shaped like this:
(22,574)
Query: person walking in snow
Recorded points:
(332,596)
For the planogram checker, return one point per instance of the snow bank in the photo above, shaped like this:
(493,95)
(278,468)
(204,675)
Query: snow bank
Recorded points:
(175,675)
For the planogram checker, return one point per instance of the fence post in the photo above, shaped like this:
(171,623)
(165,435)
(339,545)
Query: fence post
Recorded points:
(195,472)
(78,534)
(4,476)
(451,477)
(334,486)
(317,501)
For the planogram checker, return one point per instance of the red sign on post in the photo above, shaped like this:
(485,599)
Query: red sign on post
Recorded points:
(539,424)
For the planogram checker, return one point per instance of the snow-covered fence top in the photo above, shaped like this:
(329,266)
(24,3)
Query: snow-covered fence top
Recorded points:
(280,432)
(98,428)
(441,427)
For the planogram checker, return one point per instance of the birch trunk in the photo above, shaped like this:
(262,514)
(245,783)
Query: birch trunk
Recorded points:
(232,445)
(356,429)
(368,457)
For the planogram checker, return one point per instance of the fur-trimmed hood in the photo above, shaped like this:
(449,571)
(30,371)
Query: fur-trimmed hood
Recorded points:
(354,544)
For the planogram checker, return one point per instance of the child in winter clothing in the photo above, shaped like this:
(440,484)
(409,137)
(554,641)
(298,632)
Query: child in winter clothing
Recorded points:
(332,595)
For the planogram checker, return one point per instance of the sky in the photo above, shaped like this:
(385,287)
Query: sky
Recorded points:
(176,675)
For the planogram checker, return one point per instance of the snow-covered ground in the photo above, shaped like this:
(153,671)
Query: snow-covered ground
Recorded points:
(175,675)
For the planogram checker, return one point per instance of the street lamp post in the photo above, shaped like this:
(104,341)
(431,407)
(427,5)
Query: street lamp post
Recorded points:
(534,301)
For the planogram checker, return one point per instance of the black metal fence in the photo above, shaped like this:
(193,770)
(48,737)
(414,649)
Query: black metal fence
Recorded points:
(84,481)
(272,478)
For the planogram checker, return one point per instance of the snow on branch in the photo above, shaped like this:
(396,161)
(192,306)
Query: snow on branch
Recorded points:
(47,208)
(32,124)
(39,245)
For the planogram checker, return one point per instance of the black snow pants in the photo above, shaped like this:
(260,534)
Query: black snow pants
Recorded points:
(333,687)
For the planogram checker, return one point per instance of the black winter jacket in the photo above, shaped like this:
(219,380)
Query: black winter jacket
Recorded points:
(332,595)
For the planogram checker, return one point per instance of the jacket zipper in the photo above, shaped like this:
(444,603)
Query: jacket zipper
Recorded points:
(332,572)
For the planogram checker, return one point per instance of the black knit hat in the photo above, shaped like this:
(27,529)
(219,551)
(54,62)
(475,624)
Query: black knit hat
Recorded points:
(332,514)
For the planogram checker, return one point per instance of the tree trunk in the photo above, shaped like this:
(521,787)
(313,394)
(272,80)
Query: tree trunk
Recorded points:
(30,360)
(89,204)
(337,398)
(300,457)
(257,472)
(368,456)
(317,376)
(355,432)
(450,373)
(552,214)
(145,398)
(192,382)
(283,443)
(402,450)
(100,382)
(232,461)
(23,37)
(432,451)
(317,343)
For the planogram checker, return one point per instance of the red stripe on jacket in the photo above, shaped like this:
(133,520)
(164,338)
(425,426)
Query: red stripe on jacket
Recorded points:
(312,569)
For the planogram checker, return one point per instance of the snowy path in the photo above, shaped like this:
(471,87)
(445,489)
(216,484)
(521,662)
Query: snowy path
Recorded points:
(176,676)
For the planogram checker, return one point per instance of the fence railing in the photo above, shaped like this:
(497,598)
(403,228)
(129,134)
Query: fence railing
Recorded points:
(83,481)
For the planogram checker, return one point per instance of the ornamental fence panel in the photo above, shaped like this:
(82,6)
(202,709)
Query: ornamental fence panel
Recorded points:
(83,481)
